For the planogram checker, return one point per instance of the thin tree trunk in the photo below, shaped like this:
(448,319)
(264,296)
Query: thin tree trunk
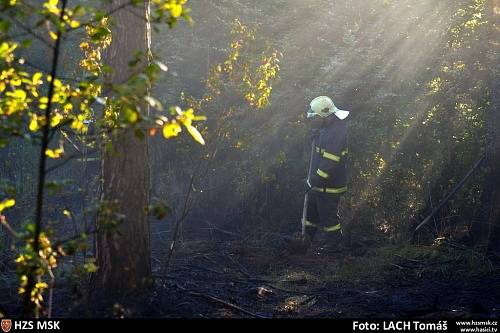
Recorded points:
(28,306)
(493,217)
(123,254)
(485,232)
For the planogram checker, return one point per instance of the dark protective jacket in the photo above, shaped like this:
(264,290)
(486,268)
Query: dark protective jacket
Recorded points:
(329,173)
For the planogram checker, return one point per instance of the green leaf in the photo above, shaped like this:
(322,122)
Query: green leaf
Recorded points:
(159,210)
(139,134)
(90,267)
(99,33)
(79,10)
(132,116)
(53,186)
(10,190)
(4,26)
(26,43)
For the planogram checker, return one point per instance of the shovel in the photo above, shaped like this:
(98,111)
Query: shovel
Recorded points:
(300,242)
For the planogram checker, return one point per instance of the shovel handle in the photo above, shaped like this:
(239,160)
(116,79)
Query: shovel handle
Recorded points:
(304,214)
(306,196)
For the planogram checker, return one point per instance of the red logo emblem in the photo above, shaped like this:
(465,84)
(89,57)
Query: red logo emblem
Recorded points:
(6,325)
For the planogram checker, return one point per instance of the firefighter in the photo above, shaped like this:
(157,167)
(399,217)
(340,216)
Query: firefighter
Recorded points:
(328,176)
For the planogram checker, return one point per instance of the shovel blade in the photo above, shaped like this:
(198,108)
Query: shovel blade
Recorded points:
(299,244)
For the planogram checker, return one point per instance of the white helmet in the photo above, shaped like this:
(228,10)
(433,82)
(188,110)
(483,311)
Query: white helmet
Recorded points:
(323,106)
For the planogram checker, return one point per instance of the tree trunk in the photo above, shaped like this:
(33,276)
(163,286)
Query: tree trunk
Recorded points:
(123,253)
(493,217)
(486,233)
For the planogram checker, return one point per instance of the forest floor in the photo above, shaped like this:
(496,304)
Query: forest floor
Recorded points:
(233,281)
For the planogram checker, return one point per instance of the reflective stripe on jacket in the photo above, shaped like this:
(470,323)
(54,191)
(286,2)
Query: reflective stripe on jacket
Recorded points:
(329,174)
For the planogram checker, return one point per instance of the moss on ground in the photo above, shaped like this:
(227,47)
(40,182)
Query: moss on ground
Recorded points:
(444,261)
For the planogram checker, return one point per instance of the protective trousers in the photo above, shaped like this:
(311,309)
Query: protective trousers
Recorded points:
(322,214)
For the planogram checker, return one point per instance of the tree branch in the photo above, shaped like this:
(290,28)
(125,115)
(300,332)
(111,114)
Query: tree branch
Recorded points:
(27,304)
(30,31)
(451,193)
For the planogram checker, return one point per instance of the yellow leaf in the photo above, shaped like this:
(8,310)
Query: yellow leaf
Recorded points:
(56,120)
(58,83)
(41,285)
(18,94)
(7,203)
(54,153)
(15,82)
(67,107)
(195,134)
(34,126)
(53,35)
(37,78)
(78,124)
(176,10)
(74,24)
(84,45)
(171,130)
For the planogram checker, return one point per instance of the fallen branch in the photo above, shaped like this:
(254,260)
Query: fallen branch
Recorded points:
(409,259)
(450,194)
(397,266)
(221,301)
(208,269)
(240,267)
(271,284)
(230,305)
(185,211)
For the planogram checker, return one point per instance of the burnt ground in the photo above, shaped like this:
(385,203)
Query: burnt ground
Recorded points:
(234,280)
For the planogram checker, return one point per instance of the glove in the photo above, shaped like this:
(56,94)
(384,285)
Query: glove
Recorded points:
(307,185)
(313,134)
(316,180)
